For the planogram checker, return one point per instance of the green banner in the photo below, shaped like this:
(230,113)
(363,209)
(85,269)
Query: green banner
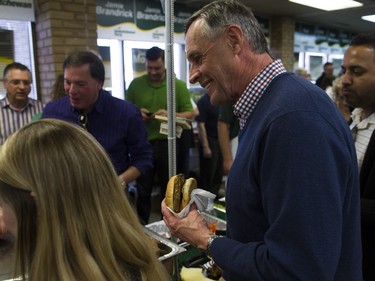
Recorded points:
(138,20)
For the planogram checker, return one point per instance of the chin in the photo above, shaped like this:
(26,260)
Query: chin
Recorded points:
(76,105)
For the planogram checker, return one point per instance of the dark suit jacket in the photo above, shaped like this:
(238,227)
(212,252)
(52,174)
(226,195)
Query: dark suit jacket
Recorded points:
(367,181)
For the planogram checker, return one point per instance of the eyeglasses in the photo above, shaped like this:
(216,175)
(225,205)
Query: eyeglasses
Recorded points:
(16,82)
(82,120)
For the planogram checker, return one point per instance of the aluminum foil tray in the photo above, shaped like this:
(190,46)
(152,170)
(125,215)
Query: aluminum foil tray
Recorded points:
(170,248)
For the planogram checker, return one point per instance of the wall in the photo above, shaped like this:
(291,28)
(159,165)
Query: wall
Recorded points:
(282,40)
(62,26)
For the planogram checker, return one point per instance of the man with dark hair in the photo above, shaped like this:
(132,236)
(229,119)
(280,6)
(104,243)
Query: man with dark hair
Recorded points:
(149,93)
(116,124)
(358,88)
(326,78)
(17,109)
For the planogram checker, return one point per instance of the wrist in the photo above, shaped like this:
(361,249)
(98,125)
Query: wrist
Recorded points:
(123,183)
(209,244)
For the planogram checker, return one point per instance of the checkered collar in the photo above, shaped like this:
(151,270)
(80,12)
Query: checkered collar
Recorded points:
(254,91)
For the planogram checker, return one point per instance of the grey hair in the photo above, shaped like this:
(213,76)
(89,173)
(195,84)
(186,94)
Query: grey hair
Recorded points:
(219,14)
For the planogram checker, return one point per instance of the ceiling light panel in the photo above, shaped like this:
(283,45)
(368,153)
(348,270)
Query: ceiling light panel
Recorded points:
(329,5)
(369,18)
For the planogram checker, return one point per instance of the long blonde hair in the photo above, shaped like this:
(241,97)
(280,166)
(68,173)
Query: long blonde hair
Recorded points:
(86,229)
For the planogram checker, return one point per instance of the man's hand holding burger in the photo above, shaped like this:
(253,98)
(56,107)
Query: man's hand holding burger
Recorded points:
(192,229)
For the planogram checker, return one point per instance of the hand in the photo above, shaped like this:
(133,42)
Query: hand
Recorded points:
(192,229)
(227,163)
(207,153)
(146,114)
(161,112)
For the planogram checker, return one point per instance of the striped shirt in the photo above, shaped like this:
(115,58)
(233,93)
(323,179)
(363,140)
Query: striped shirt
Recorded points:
(362,131)
(254,91)
(12,119)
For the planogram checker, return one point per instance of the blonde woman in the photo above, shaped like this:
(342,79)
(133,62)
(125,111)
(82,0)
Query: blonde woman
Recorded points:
(86,229)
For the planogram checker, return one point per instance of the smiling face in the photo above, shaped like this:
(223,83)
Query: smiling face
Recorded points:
(359,77)
(211,64)
(82,89)
(156,70)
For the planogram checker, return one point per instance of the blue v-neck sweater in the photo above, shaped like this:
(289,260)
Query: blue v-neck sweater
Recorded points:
(292,199)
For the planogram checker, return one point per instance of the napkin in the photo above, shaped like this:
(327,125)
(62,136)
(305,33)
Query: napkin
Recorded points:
(202,198)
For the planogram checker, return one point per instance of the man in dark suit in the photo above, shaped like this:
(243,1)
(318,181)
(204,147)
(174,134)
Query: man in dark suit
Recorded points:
(359,92)
(325,80)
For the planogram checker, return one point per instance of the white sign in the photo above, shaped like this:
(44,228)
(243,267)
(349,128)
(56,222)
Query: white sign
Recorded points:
(22,10)
(128,31)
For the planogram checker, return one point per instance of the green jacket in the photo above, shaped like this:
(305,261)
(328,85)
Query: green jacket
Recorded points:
(146,95)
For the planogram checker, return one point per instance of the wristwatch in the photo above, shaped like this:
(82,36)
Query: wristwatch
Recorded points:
(209,243)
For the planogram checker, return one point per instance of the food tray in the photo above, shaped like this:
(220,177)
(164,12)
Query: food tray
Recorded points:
(170,248)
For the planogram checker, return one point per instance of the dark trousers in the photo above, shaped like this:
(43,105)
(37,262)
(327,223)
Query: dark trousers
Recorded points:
(368,249)
(211,169)
(184,143)
(146,182)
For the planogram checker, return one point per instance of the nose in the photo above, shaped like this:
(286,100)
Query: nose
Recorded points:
(23,84)
(194,74)
(346,78)
(71,88)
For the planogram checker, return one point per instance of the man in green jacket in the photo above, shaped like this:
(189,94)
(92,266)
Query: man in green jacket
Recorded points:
(149,93)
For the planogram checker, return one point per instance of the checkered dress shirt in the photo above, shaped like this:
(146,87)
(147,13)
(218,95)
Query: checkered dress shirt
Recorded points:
(254,91)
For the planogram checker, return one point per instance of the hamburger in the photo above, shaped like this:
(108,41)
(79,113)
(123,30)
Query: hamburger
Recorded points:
(178,192)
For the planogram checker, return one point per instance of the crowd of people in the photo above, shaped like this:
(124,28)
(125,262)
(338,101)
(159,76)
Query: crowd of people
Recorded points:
(300,196)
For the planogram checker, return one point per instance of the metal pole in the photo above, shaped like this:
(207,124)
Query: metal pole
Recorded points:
(171,104)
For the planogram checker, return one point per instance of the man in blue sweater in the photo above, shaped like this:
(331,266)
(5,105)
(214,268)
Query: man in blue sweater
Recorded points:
(292,196)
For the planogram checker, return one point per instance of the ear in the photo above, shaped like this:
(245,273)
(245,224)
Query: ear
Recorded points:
(100,86)
(235,38)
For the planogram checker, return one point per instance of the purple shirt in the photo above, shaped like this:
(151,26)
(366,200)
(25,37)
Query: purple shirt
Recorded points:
(116,124)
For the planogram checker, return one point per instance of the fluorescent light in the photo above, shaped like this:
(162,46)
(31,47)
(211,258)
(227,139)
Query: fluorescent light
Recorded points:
(328,5)
(369,18)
